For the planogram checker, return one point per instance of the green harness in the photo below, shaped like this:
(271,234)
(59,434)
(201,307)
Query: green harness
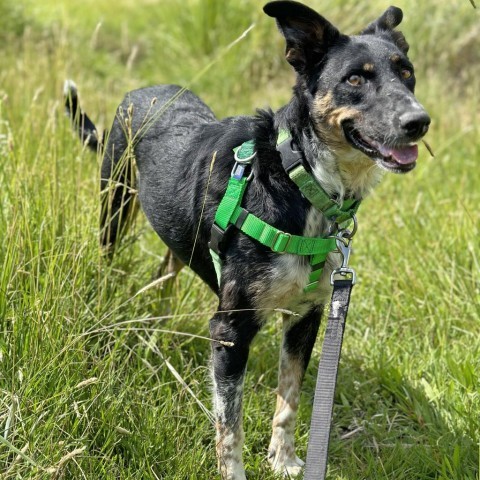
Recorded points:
(230,211)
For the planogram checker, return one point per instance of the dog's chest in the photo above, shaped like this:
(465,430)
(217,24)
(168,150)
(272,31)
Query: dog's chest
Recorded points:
(289,275)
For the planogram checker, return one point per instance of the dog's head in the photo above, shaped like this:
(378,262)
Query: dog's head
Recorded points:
(359,89)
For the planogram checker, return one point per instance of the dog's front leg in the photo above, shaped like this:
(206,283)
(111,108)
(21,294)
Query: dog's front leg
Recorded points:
(298,340)
(229,363)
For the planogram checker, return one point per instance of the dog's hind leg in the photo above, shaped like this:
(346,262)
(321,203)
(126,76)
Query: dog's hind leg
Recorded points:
(171,264)
(170,267)
(298,340)
(119,204)
(234,323)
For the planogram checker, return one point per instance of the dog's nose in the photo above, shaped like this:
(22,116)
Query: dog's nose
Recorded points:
(415,124)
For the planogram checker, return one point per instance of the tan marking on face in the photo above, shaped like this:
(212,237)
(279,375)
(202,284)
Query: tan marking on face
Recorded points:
(395,58)
(368,67)
(327,121)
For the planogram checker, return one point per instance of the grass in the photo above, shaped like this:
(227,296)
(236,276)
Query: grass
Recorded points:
(93,376)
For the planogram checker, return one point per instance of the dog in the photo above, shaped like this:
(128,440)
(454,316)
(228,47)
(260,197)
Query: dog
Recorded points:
(353,116)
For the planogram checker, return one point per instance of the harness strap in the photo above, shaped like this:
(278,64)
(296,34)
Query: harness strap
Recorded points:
(230,201)
(320,200)
(317,451)
(230,212)
(279,241)
(295,166)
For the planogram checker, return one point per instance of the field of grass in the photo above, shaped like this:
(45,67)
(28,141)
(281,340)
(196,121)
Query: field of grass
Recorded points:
(100,379)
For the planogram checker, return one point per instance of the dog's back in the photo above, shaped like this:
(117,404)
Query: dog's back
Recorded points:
(152,129)
(170,138)
(164,114)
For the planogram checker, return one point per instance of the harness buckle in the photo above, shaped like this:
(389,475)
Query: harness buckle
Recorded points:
(290,156)
(274,241)
(217,237)
(238,171)
(344,272)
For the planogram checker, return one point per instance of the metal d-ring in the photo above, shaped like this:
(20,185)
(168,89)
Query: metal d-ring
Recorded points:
(344,233)
(350,234)
(244,160)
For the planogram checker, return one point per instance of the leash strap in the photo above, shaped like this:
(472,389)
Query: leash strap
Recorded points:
(317,452)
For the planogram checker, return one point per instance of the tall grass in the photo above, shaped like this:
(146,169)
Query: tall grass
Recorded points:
(93,375)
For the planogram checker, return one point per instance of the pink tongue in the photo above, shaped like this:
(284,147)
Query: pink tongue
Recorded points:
(404,155)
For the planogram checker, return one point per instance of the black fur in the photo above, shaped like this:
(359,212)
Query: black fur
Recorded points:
(173,138)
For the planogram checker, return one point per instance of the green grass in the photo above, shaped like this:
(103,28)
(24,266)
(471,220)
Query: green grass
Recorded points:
(87,383)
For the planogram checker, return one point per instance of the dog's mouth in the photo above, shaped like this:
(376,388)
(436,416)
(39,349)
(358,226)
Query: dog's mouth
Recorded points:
(398,159)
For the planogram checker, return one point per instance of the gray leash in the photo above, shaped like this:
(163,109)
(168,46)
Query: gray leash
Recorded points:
(317,452)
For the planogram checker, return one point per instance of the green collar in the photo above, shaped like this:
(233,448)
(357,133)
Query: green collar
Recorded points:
(293,162)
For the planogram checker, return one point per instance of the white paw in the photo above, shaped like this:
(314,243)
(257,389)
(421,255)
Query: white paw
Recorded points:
(292,467)
(288,466)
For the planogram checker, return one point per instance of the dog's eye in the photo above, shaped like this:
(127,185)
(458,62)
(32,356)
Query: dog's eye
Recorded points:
(406,74)
(355,80)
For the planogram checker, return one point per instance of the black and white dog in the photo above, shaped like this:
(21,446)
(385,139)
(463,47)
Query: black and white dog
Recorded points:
(353,115)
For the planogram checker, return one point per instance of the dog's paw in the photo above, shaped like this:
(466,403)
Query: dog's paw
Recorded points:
(292,468)
(287,465)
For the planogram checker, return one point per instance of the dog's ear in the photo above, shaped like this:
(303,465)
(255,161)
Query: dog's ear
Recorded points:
(307,33)
(386,23)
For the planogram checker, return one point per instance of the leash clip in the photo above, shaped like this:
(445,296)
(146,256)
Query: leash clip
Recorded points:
(344,247)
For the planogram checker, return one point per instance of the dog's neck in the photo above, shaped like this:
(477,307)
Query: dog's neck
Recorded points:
(342,174)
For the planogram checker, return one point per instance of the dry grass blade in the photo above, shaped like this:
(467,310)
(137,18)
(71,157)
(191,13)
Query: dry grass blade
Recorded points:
(429,148)
(88,381)
(56,471)
(286,312)
(156,282)
(14,462)
(189,390)
(212,163)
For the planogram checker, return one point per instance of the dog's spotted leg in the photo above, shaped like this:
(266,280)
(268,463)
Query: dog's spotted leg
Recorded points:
(229,363)
(298,340)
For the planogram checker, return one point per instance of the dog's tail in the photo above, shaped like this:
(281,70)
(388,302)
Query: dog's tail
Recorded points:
(81,123)
(117,183)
